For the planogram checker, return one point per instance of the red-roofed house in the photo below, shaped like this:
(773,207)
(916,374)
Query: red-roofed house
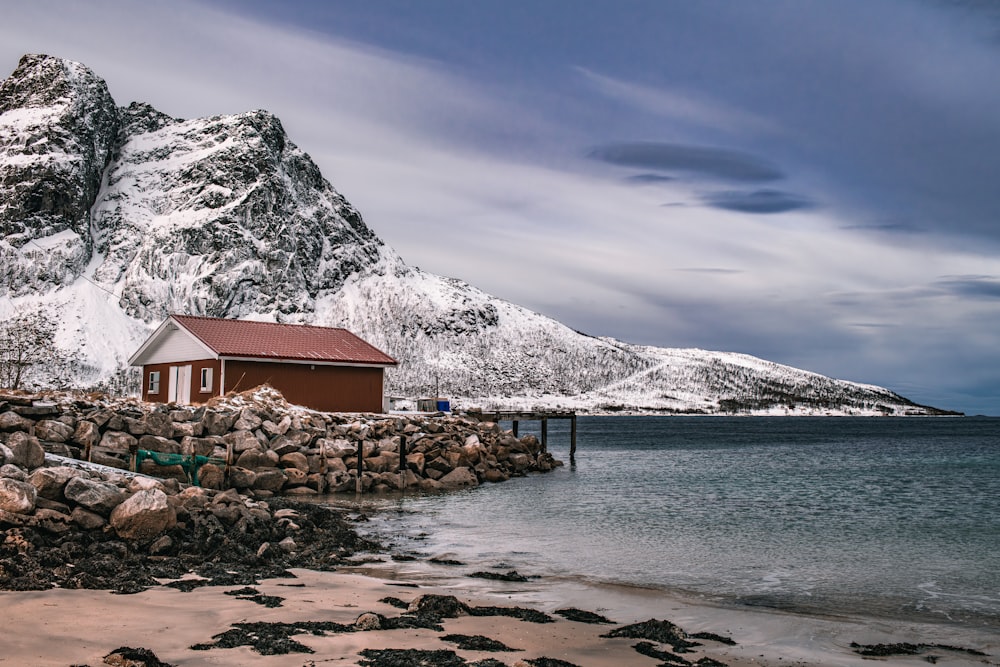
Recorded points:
(189,359)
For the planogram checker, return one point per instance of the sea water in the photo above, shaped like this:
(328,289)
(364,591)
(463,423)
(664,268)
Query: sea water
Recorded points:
(884,517)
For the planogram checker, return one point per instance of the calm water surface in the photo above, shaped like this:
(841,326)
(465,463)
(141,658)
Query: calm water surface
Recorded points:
(879,516)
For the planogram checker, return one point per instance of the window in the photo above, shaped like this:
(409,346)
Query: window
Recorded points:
(206,380)
(154,382)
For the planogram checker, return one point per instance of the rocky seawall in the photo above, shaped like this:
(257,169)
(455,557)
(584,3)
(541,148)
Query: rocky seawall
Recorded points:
(95,524)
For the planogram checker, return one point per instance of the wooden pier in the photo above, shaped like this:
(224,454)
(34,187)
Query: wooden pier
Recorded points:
(543,416)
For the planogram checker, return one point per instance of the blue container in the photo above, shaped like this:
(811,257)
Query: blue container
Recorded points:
(444,406)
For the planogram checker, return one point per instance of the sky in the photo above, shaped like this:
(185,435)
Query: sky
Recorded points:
(814,183)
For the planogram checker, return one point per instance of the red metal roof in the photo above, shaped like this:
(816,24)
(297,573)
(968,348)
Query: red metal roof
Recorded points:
(268,340)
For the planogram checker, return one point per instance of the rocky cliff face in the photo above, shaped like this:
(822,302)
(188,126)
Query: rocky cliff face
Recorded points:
(118,216)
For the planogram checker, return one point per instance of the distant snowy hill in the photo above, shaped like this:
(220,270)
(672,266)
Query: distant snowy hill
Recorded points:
(113,217)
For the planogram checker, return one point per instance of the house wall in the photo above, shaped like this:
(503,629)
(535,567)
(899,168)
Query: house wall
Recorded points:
(324,388)
(197,396)
(175,345)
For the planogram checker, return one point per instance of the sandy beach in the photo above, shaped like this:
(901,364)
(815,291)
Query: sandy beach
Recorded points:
(81,627)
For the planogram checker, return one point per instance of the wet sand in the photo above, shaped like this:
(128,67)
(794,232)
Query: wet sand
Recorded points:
(80,627)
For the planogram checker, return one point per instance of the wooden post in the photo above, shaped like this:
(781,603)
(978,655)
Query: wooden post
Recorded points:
(572,438)
(402,461)
(323,466)
(545,434)
(359,486)
(133,454)
(515,422)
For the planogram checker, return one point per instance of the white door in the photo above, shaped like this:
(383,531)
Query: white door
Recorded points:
(179,389)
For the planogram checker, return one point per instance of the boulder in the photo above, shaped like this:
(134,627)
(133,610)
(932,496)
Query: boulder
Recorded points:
(158,423)
(198,446)
(87,434)
(11,421)
(27,451)
(282,445)
(255,458)
(458,478)
(99,497)
(218,423)
(54,521)
(156,443)
(280,428)
(211,476)
(143,516)
(295,477)
(241,441)
(241,478)
(50,482)
(269,479)
(10,470)
(296,460)
(17,496)
(118,441)
(248,421)
(86,519)
(53,431)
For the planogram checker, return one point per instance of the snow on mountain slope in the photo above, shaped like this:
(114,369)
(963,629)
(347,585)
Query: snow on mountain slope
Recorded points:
(226,217)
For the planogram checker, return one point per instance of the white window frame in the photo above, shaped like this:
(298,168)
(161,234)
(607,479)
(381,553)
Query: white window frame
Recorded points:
(154,383)
(206,380)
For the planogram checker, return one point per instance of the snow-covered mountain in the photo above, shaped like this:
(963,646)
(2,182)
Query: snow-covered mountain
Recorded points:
(113,217)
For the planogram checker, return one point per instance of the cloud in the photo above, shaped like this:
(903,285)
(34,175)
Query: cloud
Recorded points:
(715,163)
(649,179)
(758,201)
(677,104)
(976,287)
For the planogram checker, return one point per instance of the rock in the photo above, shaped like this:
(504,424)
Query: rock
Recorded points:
(27,451)
(99,497)
(156,443)
(241,478)
(211,476)
(86,519)
(198,446)
(11,421)
(53,521)
(241,441)
(5,455)
(53,431)
(255,458)
(50,482)
(12,471)
(458,478)
(280,428)
(159,424)
(218,423)
(87,434)
(248,421)
(16,496)
(368,621)
(269,479)
(118,441)
(295,477)
(288,545)
(284,445)
(143,516)
(296,460)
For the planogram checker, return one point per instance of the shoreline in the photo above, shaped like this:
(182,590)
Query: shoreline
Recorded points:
(169,622)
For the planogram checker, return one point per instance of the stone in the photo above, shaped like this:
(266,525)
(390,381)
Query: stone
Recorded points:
(188,429)
(211,476)
(218,423)
(248,421)
(144,516)
(158,423)
(255,458)
(50,482)
(241,441)
(16,496)
(198,446)
(53,521)
(458,478)
(27,451)
(282,445)
(280,428)
(159,444)
(241,478)
(295,477)
(288,545)
(118,441)
(269,479)
(87,434)
(495,475)
(12,471)
(368,621)
(86,519)
(415,462)
(53,431)
(296,460)
(100,497)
